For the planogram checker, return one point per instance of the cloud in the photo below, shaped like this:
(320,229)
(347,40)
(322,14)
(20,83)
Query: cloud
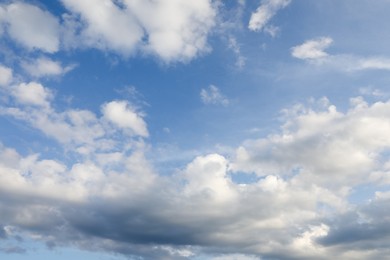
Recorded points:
(312,49)
(123,115)
(213,96)
(102,201)
(207,175)
(76,129)
(264,13)
(172,31)
(324,150)
(299,202)
(32,27)
(234,46)
(6,75)
(31,93)
(377,63)
(45,67)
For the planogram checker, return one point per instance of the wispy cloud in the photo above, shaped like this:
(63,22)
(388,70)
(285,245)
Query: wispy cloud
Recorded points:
(212,95)
(264,13)
(313,51)
(235,47)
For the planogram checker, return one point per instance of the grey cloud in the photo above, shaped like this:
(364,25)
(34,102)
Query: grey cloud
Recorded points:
(368,227)
(13,250)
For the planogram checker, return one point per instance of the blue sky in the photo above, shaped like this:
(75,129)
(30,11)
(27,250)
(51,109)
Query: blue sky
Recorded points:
(203,129)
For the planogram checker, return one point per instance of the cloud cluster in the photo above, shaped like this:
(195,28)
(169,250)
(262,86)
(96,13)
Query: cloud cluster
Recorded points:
(170,30)
(30,26)
(111,198)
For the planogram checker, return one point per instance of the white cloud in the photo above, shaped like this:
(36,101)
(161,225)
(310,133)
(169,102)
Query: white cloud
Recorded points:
(32,27)
(207,176)
(235,257)
(212,95)
(374,63)
(299,206)
(124,116)
(324,147)
(76,129)
(234,46)
(314,52)
(5,75)
(264,13)
(171,30)
(44,67)
(106,25)
(31,93)
(312,49)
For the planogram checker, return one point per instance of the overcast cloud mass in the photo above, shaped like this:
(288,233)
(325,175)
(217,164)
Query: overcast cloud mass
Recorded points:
(222,130)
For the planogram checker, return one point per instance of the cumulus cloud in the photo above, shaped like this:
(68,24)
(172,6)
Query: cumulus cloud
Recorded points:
(264,13)
(324,150)
(124,116)
(299,202)
(170,30)
(32,27)
(45,67)
(312,49)
(212,95)
(32,93)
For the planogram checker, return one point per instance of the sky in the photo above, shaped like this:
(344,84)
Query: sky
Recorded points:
(207,129)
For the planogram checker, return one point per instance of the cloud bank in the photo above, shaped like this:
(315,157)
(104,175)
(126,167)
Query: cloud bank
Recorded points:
(113,199)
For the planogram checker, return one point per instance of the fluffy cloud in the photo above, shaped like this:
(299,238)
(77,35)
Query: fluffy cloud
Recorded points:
(31,26)
(327,147)
(173,30)
(80,130)
(212,95)
(312,49)
(44,67)
(31,93)
(123,115)
(106,25)
(264,13)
